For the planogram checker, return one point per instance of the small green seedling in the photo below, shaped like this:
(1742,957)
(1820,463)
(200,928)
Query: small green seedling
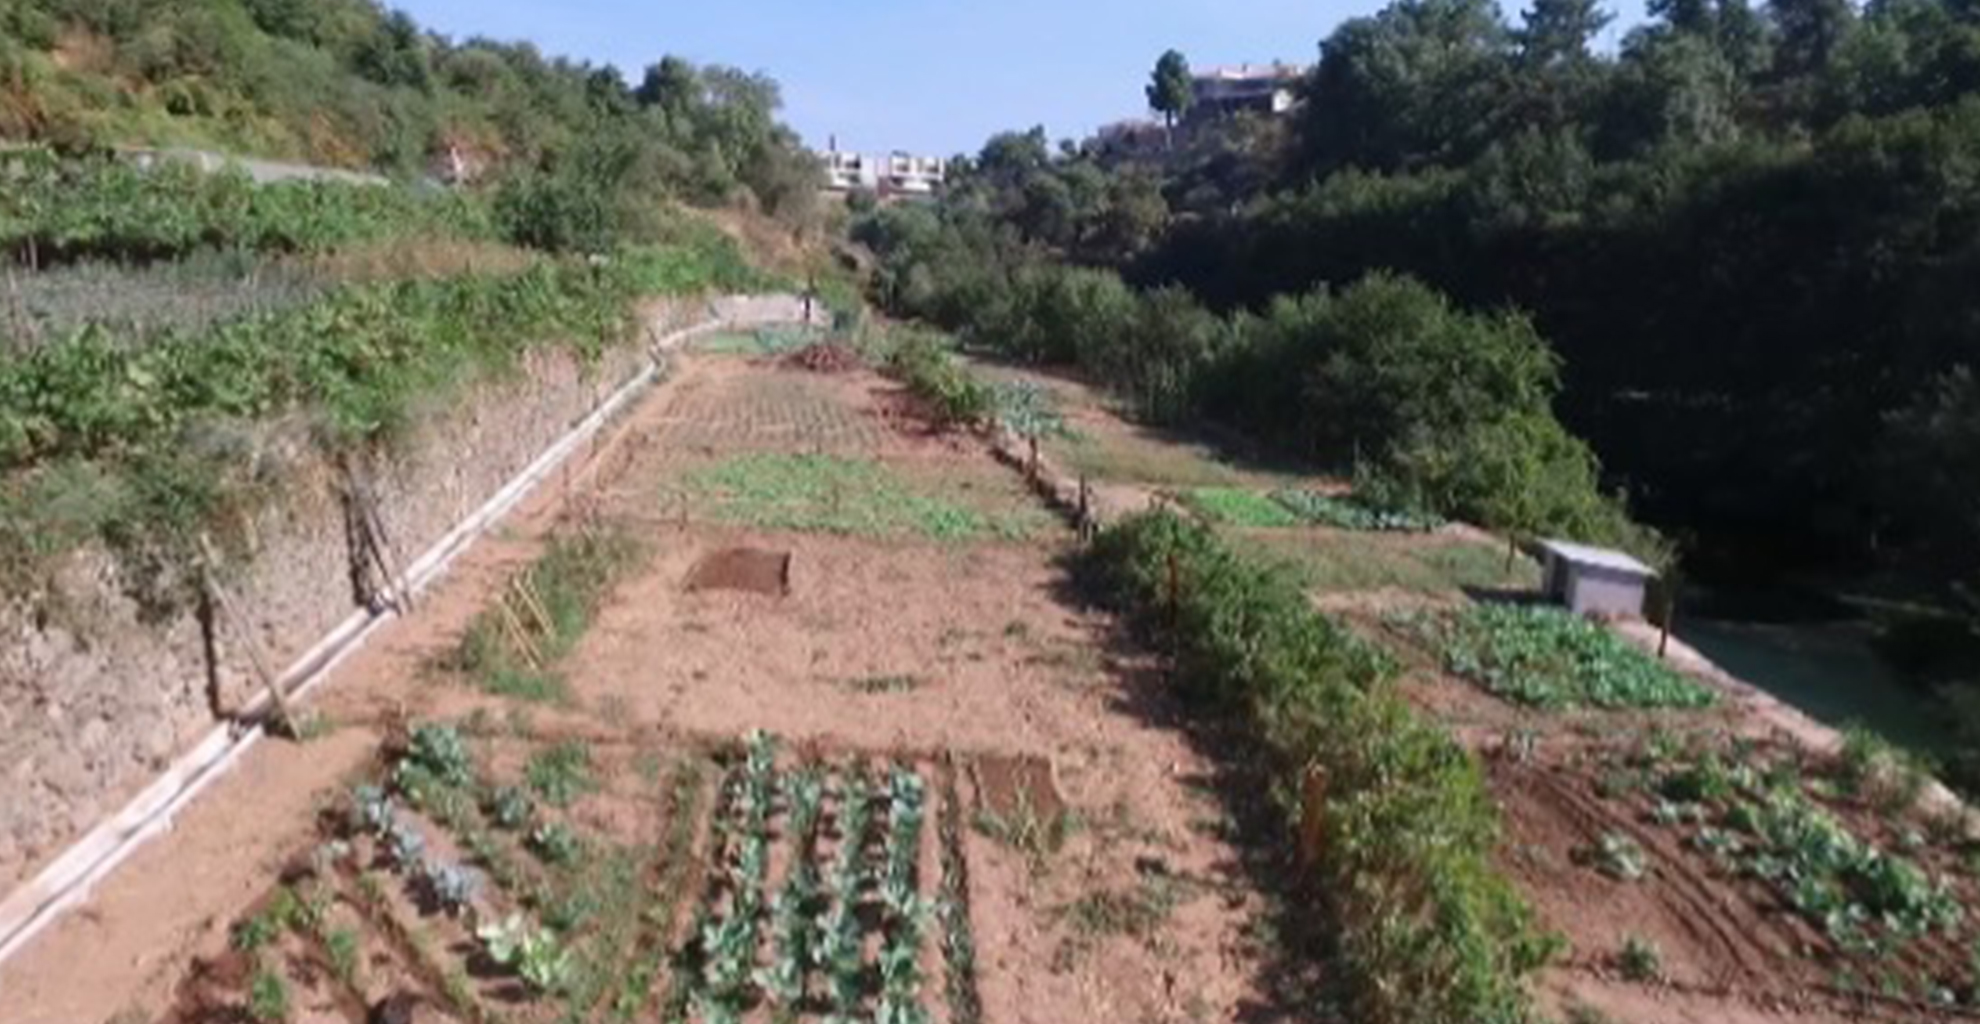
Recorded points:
(1640,960)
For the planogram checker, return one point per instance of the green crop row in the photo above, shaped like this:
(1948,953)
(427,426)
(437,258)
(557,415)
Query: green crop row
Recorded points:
(1756,815)
(1425,928)
(924,362)
(1547,658)
(1354,513)
(58,210)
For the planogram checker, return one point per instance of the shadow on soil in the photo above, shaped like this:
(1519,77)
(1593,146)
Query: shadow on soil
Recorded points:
(1289,940)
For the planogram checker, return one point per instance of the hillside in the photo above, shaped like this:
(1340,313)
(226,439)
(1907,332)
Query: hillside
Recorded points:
(344,83)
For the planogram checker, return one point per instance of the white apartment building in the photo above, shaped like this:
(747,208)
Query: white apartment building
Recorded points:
(886,174)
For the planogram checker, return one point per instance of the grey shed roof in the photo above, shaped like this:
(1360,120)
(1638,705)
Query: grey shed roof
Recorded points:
(1600,558)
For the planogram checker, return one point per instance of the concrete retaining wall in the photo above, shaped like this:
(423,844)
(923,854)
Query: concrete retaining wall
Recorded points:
(98,694)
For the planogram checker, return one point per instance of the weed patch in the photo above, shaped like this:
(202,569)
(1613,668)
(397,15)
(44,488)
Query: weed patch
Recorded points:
(1238,508)
(853,497)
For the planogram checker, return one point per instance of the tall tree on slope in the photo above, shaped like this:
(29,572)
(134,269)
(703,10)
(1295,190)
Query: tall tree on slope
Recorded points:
(1558,31)
(1172,91)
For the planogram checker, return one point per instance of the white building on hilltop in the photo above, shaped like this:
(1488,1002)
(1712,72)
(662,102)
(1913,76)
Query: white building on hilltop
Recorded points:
(1261,88)
(888,174)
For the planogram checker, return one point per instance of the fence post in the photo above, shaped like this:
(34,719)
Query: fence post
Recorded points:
(1085,511)
(1175,608)
(1312,817)
(1670,620)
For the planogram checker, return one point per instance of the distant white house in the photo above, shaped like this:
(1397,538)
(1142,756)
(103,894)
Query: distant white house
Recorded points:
(890,173)
(1260,88)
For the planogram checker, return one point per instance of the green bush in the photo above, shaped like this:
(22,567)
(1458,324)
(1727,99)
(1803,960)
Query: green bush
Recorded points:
(1426,928)
(1431,406)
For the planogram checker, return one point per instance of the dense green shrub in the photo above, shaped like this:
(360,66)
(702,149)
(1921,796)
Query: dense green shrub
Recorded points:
(1426,928)
(1434,408)
(1431,407)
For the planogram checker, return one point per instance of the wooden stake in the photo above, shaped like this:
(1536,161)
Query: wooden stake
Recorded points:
(1175,606)
(1670,620)
(1085,510)
(396,590)
(519,634)
(387,554)
(283,722)
(533,604)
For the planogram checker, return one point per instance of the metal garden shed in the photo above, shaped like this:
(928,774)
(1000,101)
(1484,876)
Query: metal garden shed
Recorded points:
(1595,581)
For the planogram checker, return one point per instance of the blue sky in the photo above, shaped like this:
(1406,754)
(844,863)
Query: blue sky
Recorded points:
(933,76)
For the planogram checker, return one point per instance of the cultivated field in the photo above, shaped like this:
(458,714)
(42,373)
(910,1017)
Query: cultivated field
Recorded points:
(1701,863)
(783,706)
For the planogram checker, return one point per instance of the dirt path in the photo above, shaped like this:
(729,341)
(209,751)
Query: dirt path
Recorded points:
(1135,904)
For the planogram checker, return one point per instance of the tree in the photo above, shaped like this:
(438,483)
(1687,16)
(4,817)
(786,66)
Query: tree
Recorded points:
(1810,31)
(1555,31)
(1674,88)
(1172,92)
(1933,457)
(1691,17)
(1419,83)
(1742,36)
(672,85)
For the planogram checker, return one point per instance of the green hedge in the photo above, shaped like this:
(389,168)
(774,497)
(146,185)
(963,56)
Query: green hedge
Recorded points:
(1427,931)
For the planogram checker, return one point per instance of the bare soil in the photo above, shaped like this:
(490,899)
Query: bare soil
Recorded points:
(1144,909)
(749,570)
(1016,787)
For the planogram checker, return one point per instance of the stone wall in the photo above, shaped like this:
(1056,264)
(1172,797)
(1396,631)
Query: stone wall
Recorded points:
(96,698)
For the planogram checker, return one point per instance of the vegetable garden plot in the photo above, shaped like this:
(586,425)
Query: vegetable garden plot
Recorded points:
(1880,893)
(834,893)
(1724,865)
(487,879)
(1546,658)
(524,880)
